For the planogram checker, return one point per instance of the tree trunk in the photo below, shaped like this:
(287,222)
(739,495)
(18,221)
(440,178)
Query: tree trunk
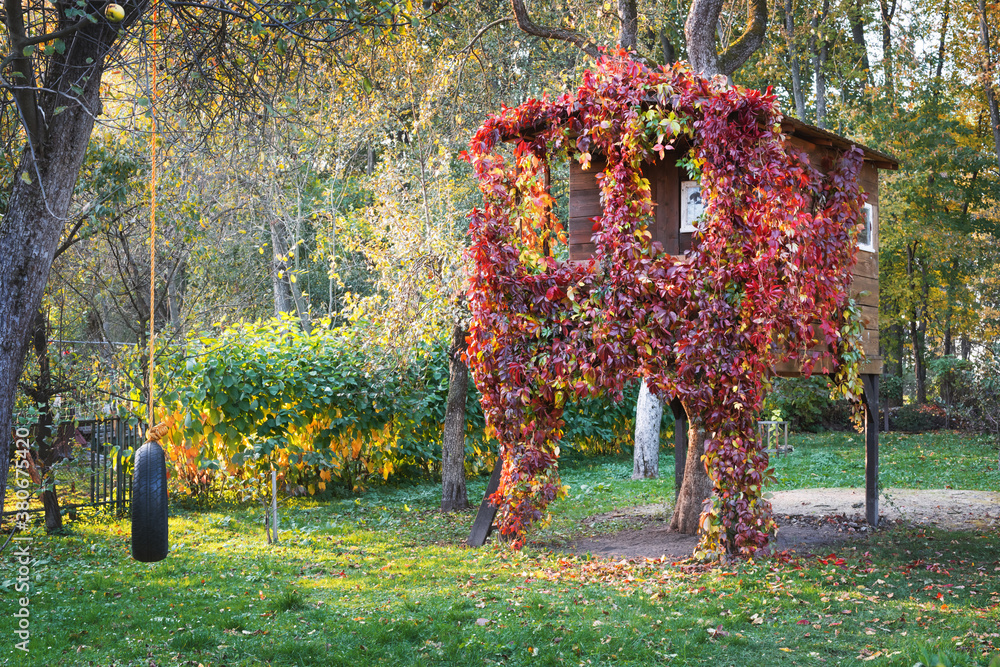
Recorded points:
(918,324)
(646,453)
(949,311)
(453,493)
(824,53)
(53,515)
(45,460)
(919,371)
(629,25)
(36,213)
(42,393)
(793,60)
(888,10)
(895,365)
(700,30)
(819,58)
(697,487)
(667,48)
(991,99)
(287,296)
(942,46)
(855,18)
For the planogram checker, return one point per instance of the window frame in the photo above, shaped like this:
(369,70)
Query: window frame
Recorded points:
(868,219)
(688,226)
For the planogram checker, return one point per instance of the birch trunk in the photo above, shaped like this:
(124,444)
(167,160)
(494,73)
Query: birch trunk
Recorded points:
(648,416)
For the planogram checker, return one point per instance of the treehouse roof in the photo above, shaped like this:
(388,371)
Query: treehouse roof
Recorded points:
(820,137)
(793,127)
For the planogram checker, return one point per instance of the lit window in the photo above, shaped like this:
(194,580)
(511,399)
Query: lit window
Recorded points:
(691,206)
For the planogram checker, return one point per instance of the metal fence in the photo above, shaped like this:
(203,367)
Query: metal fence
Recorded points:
(95,463)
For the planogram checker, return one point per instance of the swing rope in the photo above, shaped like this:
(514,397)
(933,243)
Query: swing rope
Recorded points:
(150,505)
(154,433)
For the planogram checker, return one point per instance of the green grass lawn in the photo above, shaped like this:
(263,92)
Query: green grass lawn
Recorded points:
(942,460)
(383,579)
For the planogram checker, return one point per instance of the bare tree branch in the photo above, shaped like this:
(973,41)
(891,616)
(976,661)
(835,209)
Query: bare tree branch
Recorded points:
(737,53)
(700,33)
(23,90)
(483,31)
(524,22)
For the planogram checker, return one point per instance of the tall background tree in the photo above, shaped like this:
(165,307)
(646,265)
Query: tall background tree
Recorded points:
(56,55)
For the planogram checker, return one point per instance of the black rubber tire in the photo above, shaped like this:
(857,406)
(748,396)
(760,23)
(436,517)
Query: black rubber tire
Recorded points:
(149,504)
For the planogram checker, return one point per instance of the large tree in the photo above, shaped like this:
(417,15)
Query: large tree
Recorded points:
(56,55)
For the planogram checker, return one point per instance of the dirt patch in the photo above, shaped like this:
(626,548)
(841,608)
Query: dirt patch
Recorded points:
(948,509)
(809,520)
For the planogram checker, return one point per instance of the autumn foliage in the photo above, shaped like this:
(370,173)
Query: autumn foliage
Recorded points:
(772,258)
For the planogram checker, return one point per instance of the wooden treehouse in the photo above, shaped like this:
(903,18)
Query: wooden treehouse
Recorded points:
(677,207)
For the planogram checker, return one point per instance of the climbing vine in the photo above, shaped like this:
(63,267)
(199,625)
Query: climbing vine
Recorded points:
(767,274)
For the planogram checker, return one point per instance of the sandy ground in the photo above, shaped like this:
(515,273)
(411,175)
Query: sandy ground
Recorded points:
(944,508)
(809,520)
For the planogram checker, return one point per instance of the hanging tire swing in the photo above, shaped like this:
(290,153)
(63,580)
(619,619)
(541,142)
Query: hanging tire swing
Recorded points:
(150,528)
(149,504)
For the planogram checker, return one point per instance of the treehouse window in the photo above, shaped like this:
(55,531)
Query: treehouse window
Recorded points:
(866,237)
(691,206)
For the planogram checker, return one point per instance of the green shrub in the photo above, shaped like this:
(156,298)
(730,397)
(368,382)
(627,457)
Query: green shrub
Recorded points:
(806,403)
(890,390)
(329,410)
(917,418)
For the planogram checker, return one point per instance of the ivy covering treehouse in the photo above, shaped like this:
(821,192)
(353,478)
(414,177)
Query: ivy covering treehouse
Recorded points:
(764,282)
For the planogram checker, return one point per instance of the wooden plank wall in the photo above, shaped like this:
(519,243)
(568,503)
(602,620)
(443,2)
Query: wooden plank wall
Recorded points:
(584,204)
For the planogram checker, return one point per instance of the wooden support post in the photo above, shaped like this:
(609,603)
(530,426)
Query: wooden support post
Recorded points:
(680,443)
(483,525)
(870,382)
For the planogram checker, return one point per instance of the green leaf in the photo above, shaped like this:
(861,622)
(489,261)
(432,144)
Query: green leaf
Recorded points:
(28,50)
(58,110)
(25,177)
